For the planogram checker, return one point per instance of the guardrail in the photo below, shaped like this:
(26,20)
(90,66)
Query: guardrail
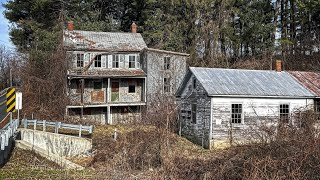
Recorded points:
(7,132)
(57,126)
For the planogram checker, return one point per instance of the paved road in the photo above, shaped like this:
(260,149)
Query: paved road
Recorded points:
(3,112)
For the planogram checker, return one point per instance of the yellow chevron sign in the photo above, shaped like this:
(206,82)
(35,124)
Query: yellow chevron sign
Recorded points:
(11,99)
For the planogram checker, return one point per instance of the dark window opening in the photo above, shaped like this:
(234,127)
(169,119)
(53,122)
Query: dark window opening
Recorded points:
(97,85)
(166,85)
(166,65)
(284,113)
(236,113)
(194,113)
(132,61)
(97,61)
(80,58)
(194,83)
(132,88)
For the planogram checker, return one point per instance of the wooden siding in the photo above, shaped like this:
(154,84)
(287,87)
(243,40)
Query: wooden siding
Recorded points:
(256,112)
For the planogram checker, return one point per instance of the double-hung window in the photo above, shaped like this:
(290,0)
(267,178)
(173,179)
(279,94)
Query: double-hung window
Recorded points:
(80,58)
(132,61)
(284,113)
(166,65)
(97,61)
(115,61)
(236,113)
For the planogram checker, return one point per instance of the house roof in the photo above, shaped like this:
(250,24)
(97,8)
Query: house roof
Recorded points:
(109,73)
(310,80)
(248,83)
(103,41)
(166,52)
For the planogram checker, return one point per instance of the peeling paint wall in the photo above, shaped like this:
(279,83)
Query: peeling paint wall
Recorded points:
(153,65)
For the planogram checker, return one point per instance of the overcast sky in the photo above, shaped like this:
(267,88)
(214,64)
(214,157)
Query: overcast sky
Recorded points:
(4,28)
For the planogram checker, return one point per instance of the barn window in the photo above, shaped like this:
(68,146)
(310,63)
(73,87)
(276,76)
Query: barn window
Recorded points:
(194,113)
(97,61)
(166,65)
(194,83)
(80,58)
(236,113)
(317,108)
(166,85)
(115,61)
(284,113)
(132,88)
(132,61)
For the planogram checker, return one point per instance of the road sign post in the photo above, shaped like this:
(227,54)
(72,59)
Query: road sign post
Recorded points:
(18,103)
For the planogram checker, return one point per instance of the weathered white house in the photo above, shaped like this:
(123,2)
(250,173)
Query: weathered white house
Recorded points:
(113,75)
(219,104)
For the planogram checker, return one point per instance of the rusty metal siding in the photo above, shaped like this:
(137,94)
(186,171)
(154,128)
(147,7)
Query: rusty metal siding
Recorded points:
(310,80)
(249,82)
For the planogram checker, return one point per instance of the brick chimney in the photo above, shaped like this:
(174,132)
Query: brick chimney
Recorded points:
(278,65)
(133,27)
(70,25)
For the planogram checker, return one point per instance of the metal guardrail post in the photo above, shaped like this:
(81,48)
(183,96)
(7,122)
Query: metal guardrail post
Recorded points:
(80,129)
(44,125)
(25,123)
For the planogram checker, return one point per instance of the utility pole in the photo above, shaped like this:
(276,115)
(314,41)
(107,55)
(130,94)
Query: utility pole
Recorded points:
(10,77)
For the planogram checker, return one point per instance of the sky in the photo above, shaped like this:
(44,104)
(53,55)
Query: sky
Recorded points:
(4,28)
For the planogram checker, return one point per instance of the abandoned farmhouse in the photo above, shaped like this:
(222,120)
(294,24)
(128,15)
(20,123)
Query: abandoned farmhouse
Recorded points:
(217,103)
(113,76)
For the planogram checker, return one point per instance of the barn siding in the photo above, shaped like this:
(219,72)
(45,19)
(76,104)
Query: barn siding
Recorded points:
(199,132)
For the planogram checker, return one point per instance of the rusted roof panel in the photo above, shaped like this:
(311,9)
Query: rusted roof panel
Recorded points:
(310,80)
(254,83)
(103,41)
(99,73)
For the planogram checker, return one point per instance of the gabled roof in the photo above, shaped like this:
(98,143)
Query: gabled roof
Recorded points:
(247,83)
(103,41)
(310,80)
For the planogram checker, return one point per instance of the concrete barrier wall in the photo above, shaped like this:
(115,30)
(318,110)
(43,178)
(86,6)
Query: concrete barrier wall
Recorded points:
(4,154)
(58,144)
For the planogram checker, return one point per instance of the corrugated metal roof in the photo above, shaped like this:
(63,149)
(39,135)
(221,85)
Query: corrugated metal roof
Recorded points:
(310,80)
(105,41)
(249,82)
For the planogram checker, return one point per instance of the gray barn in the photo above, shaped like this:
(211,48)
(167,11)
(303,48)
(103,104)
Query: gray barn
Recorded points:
(222,104)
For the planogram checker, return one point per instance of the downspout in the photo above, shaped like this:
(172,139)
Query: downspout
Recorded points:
(210,124)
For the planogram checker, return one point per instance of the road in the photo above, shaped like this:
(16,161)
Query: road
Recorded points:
(3,107)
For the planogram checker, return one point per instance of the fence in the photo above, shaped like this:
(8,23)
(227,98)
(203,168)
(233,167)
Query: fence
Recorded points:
(57,126)
(7,132)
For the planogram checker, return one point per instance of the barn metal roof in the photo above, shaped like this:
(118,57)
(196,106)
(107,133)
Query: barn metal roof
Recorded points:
(257,83)
(103,41)
(310,80)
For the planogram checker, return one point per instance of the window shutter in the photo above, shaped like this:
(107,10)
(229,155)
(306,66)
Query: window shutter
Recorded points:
(86,58)
(121,60)
(109,61)
(138,62)
(126,62)
(103,61)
